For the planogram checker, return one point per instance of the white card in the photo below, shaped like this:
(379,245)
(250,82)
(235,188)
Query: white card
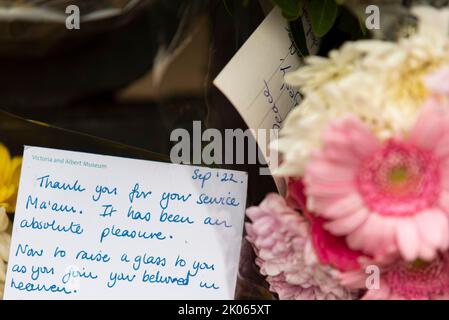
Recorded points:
(254,78)
(100,227)
(257,69)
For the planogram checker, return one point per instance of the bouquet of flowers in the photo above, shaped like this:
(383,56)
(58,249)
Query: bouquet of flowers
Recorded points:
(366,157)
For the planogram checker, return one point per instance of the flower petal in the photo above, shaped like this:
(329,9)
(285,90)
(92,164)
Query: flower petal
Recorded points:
(427,252)
(346,225)
(343,207)
(432,226)
(443,201)
(438,81)
(323,171)
(430,126)
(375,236)
(353,279)
(441,151)
(408,239)
(359,140)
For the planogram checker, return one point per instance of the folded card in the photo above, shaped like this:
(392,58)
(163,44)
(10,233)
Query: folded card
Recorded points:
(253,80)
(99,227)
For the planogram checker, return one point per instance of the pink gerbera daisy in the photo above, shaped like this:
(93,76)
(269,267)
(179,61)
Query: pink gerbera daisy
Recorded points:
(419,280)
(385,197)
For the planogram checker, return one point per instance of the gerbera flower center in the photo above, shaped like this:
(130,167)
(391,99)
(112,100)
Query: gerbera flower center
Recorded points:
(399,180)
(419,264)
(398,175)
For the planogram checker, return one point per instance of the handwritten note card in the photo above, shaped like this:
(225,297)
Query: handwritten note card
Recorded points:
(254,79)
(99,227)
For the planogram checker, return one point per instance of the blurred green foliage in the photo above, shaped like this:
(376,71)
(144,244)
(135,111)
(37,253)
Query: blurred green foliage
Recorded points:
(332,22)
(323,13)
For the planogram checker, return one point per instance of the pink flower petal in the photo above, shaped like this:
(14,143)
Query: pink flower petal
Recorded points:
(443,201)
(363,141)
(432,226)
(408,239)
(353,279)
(438,81)
(254,213)
(264,226)
(442,149)
(346,225)
(375,236)
(321,204)
(444,180)
(343,207)
(320,189)
(445,240)
(359,140)
(322,171)
(331,249)
(427,252)
(430,126)
(334,153)
(336,136)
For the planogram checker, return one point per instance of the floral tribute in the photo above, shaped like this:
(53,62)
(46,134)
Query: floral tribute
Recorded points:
(366,158)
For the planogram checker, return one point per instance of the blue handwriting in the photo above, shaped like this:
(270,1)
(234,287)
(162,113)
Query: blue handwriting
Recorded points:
(46,183)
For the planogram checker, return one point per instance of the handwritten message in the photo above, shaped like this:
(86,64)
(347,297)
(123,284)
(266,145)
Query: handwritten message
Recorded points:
(253,80)
(99,227)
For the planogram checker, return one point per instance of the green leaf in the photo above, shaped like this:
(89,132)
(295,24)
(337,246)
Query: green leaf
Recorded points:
(299,37)
(323,14)
(291,9)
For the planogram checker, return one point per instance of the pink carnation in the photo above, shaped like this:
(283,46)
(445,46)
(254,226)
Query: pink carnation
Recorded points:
(281,240)
(385,197)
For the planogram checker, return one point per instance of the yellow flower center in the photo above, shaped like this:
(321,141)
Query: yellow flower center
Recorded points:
(419,264)
(398,175)
(407,83)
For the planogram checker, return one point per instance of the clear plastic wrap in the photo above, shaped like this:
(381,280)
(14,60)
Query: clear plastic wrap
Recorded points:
(55,10)
(37,27)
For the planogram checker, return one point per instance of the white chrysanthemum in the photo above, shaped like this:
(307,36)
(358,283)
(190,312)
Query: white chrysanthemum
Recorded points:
(319,71)
(380,82)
